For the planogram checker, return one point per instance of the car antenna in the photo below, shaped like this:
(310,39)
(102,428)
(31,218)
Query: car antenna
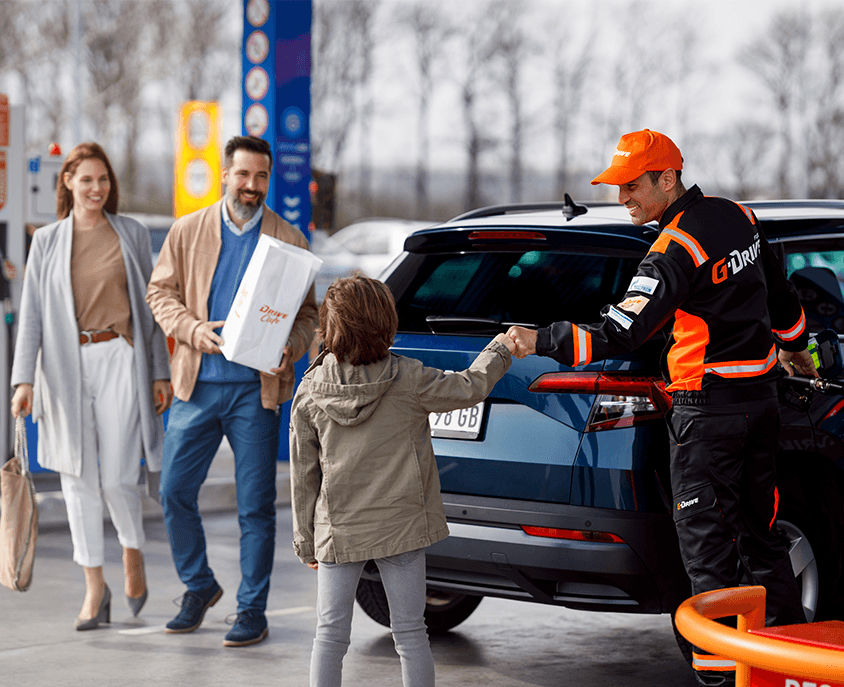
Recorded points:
(572,209)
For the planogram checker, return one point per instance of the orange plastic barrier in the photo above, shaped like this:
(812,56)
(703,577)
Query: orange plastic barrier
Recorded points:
(791,658)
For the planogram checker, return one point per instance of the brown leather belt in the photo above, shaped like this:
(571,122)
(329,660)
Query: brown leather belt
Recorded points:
(97,337)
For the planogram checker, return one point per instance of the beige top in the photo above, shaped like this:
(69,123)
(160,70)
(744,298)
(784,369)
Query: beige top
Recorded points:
(98,280)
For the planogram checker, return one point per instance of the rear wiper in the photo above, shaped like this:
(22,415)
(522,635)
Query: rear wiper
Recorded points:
(452,324)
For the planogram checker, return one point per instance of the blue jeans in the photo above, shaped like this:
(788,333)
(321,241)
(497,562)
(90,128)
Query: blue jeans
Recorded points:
(194,432)
(403,577)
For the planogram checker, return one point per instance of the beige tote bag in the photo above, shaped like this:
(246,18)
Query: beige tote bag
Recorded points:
(18,517)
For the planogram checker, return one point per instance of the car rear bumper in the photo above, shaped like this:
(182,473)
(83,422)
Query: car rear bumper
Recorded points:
(488,554)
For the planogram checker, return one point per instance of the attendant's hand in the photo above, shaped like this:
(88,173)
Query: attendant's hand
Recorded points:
(507,341)
(22,401)
(313,566)
(285,363)
(798,362)
(524,340)
(205,339)
(162,395)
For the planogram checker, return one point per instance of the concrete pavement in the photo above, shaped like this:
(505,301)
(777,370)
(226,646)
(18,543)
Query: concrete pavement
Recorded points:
(503,644)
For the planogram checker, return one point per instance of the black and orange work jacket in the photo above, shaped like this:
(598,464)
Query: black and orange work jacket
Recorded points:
(711,270)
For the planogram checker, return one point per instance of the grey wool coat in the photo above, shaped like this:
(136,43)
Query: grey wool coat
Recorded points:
(363,476)
(47,349)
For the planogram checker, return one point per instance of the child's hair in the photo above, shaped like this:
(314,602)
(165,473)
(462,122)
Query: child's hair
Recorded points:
(358,320)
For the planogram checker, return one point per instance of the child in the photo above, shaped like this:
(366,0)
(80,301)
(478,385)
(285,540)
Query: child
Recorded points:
(364,480)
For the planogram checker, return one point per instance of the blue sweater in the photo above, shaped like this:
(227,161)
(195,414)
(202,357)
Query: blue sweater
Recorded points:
(235,254)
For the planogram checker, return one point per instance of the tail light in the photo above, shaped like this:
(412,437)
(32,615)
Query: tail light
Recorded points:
(574,535)
(622,400)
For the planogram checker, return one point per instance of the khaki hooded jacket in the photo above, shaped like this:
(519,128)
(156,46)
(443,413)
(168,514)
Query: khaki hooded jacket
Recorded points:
(363,476)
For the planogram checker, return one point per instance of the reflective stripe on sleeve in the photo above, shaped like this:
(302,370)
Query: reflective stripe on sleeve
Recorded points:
(582,346)
(795,331)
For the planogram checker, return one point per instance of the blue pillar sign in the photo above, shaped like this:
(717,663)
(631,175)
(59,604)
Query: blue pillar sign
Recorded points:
(277,98)
(277,107)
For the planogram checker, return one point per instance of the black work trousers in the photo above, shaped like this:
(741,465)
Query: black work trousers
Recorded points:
(723,479)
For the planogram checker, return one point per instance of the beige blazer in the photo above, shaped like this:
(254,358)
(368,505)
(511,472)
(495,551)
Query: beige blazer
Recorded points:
(181,283)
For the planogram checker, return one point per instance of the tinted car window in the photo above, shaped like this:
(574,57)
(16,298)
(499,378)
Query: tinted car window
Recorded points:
(533,287)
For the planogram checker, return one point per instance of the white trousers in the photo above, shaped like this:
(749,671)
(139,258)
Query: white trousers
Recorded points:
(111,454)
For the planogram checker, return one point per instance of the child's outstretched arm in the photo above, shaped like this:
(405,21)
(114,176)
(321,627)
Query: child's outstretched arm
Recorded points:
(440,391)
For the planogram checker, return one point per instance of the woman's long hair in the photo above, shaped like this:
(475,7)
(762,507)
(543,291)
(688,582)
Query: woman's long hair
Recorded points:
(64,196)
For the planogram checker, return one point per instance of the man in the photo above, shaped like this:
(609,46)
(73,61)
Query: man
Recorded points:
(190,292)
(713,272)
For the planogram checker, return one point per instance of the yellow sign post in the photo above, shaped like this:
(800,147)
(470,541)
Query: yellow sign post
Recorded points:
(198,167)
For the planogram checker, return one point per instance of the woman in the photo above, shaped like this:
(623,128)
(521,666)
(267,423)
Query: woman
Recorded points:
(362,471)
(92,366)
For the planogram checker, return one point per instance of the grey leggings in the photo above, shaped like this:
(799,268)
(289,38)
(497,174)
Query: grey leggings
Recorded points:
(403,577)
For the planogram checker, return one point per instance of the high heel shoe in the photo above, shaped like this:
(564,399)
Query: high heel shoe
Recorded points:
(103,614)
(135,604)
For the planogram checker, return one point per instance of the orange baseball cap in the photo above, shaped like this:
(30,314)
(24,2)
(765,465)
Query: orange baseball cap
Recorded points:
(640,152)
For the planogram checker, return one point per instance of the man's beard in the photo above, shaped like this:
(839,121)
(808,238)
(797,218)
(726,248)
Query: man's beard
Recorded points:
(244,211)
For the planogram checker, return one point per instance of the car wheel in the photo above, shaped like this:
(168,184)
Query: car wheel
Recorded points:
(810,515)
(372,599)
(443,610)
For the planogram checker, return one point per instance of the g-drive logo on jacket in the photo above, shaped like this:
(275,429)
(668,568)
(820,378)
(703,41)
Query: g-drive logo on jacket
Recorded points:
(738,260)
(712,270)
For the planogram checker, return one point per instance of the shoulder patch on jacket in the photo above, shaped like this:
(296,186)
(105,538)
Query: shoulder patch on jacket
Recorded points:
(634,304)
(644,285)
(619,317)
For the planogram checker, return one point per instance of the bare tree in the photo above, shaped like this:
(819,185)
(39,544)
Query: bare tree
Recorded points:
(640,73)
(35,43)
(572,62)
(11,15)
(513,48)
(207,55)
(339,68)
(779,59)
(826,169)
(366,100)
(429,29)
(117,59)
(749,148)
(473,72)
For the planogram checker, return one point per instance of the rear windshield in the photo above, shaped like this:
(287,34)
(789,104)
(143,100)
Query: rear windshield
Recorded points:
(526,287)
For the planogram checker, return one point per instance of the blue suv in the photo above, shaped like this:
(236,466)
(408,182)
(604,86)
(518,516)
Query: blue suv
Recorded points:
(556,488)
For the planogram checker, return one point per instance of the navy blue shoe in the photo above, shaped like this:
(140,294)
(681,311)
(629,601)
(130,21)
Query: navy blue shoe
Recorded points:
(194,605)
(250,627)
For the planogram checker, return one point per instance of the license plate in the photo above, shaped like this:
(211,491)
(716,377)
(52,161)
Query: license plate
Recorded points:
(458,424)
